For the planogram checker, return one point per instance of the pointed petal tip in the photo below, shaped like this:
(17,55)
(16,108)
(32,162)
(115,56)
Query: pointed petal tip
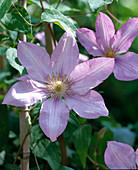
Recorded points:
(78,30)
(53,118)
(53,139)
(3,102)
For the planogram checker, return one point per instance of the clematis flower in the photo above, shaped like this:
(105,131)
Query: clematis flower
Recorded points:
(120,156)
(104,42)
(59,83)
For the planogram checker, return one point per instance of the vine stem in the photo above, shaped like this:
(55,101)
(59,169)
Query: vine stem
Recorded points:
(34,153)
(19,150)
(58,4)
(49,36)
(21,146)
(24,18)
(112,15)
(63,150)
(95,164)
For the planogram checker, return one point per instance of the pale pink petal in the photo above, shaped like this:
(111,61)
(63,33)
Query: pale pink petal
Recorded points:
(83,58)
(90,105)
(35,59)
(35,83)
(66,54)
(53,118)
(89,74)
(119,156)
(126,35)
(24,93)
(41,37)
(137,157)
(104,30)
(88,39)
(126,67)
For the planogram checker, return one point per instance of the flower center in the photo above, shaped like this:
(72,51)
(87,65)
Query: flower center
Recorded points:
(58,86)
(109,52)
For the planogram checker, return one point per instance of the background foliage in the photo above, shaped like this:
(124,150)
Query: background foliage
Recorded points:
(85,140)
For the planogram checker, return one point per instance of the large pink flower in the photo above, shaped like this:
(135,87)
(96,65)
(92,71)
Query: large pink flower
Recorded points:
(59,77)
(104,42)
(120,156)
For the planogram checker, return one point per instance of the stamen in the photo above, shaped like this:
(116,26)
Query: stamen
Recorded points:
(59,86)
(109,52)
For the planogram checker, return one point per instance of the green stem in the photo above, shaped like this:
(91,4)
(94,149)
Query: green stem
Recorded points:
(95,164)
(19,150)
(63,150)
(112,15)
(34,153)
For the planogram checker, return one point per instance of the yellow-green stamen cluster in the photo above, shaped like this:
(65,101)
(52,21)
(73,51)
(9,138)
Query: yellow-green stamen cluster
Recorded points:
(110,52)
(58,86)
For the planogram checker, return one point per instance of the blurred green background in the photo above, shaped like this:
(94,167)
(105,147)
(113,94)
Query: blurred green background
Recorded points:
(121,98)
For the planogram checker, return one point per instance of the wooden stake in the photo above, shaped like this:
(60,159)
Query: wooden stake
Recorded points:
(24,114)
(23,131)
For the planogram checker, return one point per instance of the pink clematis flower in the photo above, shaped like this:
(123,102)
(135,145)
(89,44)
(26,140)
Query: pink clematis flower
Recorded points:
(120,156)
(59,77)
(104,42)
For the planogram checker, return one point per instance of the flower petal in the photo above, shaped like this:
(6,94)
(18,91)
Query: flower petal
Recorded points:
(90,105)
(104,30)
(53,118)
(119,156)
(83,58)
(23,93)
(66,54)
(88,39)
(126,35)
(35,59)
(137,157)
(126,67)
(41,37)
(89,74)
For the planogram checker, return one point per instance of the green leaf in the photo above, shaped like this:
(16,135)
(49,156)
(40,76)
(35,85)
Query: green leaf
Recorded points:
(49,152)
(3,38)
(81,140)
(73,124)
(36,134)
(100,145)
(95,4)
(45,149)
(4,126)
(13,21)
(2,50)
(56,17)
(4,74)
(4,6)
(2,157)
(11,55)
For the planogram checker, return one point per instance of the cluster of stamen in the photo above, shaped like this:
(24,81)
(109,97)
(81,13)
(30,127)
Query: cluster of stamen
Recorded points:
(58,86)
(110,52)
